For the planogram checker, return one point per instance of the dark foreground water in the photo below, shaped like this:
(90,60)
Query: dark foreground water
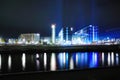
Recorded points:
(30,62)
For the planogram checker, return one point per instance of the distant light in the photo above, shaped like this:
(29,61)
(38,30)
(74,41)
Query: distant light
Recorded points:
(38,34)
(90,25)
(71,28)
(53,26)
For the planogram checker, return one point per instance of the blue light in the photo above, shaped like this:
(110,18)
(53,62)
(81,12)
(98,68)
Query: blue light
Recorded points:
(78,59)
(93,60)
(67,60)
(63,60)
(60,60)
(86,58)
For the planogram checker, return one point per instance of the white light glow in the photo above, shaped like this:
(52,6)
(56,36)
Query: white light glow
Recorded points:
(53,33)
(71,28)
(53,62)
(37,55)
(112,58)
(77,59)
(108,59)
(102,58)
(71,63)
(38,64)
(45,60)
(53,26)
(9,62)
(23,60)
(95,57)
(117,59)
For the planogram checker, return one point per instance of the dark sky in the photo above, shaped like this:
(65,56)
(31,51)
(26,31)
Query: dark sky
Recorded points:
(25,16)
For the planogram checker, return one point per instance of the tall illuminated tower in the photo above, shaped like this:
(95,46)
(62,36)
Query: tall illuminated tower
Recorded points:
(53,33)
(93,33)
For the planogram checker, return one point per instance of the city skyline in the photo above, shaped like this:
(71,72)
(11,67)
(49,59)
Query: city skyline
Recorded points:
(37,16)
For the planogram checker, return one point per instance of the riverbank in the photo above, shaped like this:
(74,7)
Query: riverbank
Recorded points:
(48,48)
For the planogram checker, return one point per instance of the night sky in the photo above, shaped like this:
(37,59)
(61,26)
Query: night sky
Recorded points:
(36,16)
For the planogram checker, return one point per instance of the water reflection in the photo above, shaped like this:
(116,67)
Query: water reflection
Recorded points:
(117,59)
(93,60)
(112,58)
(103,58)
(45,61)
(53,62)
(37,55)
(71,63)
(38,64)
(63,60)
(9,62)
(37,61)
(23,61)
(109,59)
(58,61)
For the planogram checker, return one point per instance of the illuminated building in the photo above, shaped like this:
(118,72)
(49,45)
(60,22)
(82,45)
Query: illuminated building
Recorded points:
(88,34)
(11,41)
(67,33)
(93,33)
(2,41)
(60,35)
(45,40)
(30,38)
(80,37)
(53,33)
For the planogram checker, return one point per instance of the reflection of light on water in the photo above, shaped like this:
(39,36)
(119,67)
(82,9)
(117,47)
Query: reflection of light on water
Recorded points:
(77,55)
(108,59)
(82,59)
(67,60)
(23,60)
(86,58)
(60,59)
(112,58)
(64,61)
(117,59)
(37,61)
(71,63)
(78,59)
(9,62)
(93,60)
(45,60)
(0,61)
(102,58)
(37,55)
(38,64)
(53,62)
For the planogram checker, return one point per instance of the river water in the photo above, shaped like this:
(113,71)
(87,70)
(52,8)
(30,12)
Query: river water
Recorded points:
(31,62)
